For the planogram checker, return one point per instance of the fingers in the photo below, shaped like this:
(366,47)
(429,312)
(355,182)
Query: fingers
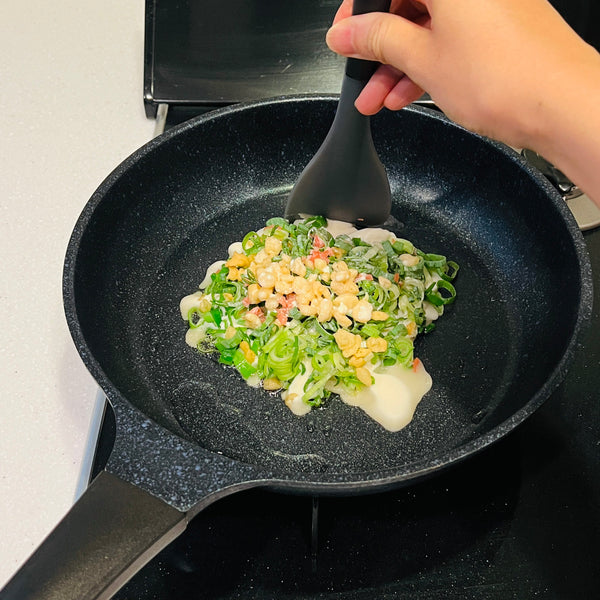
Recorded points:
(409,9)
(344,11)
(387,87)
(404,92)
(391,39)
(388,39)
(382,82)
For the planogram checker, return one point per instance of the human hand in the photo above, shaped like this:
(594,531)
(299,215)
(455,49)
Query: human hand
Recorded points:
(488,65)
(388,86)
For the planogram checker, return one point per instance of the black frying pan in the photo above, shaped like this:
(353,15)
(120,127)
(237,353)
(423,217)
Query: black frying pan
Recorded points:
(190,431)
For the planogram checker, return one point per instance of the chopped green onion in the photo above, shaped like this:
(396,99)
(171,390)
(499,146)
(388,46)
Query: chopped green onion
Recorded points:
(195,317)
(436,297)
(252,243)
(434,261)
(285,348)
(242,365)
(403,246)
(451,272)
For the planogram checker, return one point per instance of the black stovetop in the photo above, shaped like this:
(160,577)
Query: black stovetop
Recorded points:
(521,520)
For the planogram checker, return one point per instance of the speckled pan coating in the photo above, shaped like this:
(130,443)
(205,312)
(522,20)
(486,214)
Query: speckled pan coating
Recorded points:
(189,430)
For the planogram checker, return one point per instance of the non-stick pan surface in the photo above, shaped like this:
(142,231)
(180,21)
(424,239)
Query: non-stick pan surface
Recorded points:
(189,428)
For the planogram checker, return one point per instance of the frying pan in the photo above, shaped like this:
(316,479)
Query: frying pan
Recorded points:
(189,431)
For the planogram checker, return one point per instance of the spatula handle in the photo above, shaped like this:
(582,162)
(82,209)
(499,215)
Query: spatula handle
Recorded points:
(360,7)
(355,67)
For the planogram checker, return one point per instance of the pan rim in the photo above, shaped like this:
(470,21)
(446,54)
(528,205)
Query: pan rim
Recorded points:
(331,482)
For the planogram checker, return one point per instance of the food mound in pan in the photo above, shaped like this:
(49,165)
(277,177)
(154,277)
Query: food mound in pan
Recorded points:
(316,307)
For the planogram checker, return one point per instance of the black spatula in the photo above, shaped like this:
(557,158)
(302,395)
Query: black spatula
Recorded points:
(345,179)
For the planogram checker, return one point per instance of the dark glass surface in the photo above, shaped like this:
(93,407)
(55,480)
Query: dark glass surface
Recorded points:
(210,52)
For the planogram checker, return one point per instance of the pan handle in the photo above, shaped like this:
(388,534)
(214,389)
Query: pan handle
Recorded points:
(109,534)
(357,68)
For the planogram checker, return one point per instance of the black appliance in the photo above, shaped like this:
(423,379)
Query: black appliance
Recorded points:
(521,520)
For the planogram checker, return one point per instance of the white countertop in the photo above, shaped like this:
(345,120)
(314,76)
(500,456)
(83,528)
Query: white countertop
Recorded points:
(71,109)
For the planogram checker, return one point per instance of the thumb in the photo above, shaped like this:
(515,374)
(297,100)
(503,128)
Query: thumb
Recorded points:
(386,38)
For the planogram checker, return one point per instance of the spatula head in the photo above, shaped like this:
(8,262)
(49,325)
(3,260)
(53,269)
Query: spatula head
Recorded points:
(351,188)
(345,179)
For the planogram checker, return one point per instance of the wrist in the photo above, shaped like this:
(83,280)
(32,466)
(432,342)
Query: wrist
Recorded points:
(564,125)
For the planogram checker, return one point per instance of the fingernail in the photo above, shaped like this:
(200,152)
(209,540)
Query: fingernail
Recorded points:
(339,39)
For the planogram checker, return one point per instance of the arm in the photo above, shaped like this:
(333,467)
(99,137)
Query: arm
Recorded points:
(507,69)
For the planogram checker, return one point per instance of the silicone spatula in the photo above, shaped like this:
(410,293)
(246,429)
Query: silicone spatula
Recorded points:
(345,180)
